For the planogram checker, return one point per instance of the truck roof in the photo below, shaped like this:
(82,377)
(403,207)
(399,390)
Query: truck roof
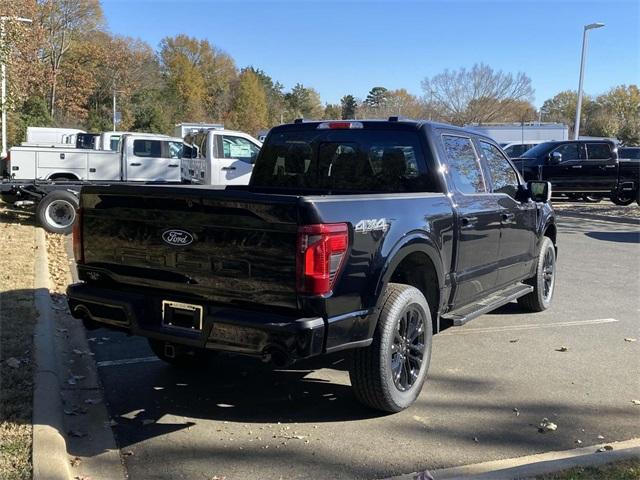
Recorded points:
(393,123)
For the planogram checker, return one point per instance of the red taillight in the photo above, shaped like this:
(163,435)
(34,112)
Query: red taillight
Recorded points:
(78,251)
(321,252)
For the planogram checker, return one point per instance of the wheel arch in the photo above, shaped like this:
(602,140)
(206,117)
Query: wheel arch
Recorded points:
(415,261)
(63,175)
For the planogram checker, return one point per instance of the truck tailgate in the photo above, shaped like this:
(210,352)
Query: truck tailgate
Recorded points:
(228,247)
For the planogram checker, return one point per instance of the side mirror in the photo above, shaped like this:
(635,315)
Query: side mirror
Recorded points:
(555,158)
(539,191)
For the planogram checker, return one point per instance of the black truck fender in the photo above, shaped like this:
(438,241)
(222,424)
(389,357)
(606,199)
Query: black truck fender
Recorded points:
(420,266)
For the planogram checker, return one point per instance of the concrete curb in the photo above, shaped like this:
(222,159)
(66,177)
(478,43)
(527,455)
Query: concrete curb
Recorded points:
(533,465)
(49,445)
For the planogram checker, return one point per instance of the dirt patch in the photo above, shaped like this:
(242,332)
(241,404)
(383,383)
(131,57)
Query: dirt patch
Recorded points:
(625,470)
(17,321)
(58,266)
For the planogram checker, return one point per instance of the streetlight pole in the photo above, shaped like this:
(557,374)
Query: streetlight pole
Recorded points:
(591,26)
(3,76)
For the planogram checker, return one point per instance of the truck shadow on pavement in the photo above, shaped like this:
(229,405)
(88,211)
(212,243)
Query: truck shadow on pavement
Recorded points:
(621,237)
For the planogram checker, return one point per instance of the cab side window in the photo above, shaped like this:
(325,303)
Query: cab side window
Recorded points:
(569,151)
(598,151)
(239,148)
(463,164)
(504,177)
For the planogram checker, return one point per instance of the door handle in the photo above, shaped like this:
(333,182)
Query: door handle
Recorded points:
(92,170)
(173,164)
(228,168)
(508,217)
(609,166)
(135,164)
(468,222)
(576,166)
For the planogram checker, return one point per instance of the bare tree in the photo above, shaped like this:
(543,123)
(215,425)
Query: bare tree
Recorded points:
(65,21)
(478,95)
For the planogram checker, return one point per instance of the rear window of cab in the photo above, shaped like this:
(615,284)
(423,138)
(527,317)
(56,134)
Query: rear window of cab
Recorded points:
(343,160)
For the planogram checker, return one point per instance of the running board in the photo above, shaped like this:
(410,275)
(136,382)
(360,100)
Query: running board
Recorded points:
(498,299)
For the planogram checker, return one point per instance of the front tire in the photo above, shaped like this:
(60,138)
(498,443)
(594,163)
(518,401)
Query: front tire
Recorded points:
(56,212)
(388,374)
(621,199)
(543,281)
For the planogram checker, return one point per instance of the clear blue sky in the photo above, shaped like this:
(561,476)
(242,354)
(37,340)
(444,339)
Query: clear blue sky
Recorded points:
(341,47)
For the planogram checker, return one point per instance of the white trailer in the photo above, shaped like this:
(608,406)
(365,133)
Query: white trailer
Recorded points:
(504,133)
(51,136)
(219,157)
(51,178)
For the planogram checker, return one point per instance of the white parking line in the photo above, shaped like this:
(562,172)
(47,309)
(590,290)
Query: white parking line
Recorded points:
(532,326)
(126,361)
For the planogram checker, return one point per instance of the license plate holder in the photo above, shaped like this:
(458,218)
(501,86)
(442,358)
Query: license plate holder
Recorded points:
(183,316)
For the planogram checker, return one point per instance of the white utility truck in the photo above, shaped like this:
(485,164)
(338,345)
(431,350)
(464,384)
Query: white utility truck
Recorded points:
(219,157)
(51,178)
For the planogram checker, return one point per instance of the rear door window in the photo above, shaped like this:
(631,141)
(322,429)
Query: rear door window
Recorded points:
(147,148)
(598,151)
(464,165)
(157,149)
(349,161)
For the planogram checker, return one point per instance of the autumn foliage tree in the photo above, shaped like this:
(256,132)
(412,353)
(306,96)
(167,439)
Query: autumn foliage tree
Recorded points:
(249,112)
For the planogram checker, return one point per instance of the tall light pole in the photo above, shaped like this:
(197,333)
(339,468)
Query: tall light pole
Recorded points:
(3,75)
(591,26)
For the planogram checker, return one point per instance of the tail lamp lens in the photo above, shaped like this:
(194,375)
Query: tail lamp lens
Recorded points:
(322,249)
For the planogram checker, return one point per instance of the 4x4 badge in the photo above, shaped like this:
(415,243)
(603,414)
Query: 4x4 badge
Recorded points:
(177,238)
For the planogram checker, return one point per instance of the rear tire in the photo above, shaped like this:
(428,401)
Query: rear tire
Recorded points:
(184,357)
(388,374)
(543,281)
(56,212)
(621,199)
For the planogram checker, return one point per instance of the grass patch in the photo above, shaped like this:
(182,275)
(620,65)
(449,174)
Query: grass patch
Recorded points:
(624,470)
(17,321)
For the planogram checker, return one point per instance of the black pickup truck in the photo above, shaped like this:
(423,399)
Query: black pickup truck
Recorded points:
(369,236)
(587,168)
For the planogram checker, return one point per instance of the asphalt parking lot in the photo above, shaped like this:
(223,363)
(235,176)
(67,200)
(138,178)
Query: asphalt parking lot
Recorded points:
(490,384)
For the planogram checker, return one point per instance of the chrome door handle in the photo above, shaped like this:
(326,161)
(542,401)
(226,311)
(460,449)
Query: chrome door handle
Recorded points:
(609,166)
(508,217)
(576,166)
(135,164)
(468,222)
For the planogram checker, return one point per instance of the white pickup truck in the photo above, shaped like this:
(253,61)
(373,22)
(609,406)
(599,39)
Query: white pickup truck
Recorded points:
(51,178)
(140,158)
(219,157)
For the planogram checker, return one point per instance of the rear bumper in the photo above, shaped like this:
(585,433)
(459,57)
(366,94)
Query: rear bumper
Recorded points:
(223,328)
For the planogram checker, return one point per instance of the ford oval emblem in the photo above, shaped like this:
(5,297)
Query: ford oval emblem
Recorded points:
(177,238)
